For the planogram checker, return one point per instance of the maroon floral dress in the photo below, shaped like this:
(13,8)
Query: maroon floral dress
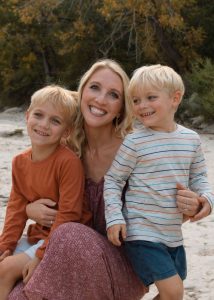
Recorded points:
(80,263)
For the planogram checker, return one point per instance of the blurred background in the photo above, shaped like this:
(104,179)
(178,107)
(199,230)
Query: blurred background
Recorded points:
(55,41)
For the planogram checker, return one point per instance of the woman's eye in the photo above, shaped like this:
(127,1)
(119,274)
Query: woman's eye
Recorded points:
(114,95)
(94,87)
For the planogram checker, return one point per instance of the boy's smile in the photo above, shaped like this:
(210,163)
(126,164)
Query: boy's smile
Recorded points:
(46,126)
(147,114)
(155,108)
(41,133)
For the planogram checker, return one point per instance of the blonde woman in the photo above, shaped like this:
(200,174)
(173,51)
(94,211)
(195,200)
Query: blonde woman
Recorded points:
(79,262)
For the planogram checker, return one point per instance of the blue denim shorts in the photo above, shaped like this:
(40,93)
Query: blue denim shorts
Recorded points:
(155,261)
(29,249)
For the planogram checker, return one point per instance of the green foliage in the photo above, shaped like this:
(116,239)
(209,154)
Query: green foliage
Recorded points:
(201,89)
(55,41)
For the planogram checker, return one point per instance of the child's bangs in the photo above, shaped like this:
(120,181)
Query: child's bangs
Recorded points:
(64,105)
(142,84)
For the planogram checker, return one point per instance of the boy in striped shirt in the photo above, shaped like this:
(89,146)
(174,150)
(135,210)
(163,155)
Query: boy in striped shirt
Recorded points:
(153,158)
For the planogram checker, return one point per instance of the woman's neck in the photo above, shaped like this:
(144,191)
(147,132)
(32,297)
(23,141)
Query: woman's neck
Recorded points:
(101,148)
(98,138)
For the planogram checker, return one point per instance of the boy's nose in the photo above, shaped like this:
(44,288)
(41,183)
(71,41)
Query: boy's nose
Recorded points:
(45,123)
(143,104)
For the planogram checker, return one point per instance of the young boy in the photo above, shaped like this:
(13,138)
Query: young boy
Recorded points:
(154,158)
(47,170)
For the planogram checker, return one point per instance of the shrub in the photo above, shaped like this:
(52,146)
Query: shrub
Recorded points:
(200,84)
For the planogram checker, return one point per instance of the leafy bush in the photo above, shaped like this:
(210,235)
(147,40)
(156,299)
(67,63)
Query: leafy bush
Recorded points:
(200,84)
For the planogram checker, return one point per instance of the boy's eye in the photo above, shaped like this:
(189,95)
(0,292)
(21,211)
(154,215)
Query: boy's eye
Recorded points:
(37,114)
(152,97)
(136,101)
(56,121)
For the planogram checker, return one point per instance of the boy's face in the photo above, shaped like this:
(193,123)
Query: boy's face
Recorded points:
(46,125)
(156,108)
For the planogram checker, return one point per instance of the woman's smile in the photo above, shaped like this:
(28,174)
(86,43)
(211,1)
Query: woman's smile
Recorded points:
(102,98)
(97,111)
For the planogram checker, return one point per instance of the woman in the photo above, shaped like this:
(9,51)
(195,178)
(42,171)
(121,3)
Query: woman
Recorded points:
(79,262)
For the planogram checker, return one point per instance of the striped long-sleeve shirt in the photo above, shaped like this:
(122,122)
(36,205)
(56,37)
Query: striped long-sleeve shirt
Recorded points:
(153,162)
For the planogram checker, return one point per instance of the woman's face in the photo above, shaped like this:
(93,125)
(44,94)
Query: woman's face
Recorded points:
(102,98)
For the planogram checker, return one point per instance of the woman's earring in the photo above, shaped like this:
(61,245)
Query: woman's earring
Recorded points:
(117,119)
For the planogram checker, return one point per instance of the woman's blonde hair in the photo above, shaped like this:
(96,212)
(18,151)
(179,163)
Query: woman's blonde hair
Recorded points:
(62,99)
(157,76)
(122,125)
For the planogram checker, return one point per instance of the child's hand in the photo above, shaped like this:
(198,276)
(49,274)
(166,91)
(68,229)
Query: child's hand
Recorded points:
(29,269)
(114,232)
(4,254)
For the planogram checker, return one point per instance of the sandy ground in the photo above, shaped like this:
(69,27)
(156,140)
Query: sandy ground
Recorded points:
(198,237)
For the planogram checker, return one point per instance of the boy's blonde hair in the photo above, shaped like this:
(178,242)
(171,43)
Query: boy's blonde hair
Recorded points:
(122,125)
(157,76)
(62,99)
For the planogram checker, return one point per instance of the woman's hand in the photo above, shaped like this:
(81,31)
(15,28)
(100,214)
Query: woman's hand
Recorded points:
(191,205)
(205,210)
(41,212)
(29,268)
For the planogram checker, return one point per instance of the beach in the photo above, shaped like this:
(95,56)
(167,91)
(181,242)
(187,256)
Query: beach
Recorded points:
(198,236)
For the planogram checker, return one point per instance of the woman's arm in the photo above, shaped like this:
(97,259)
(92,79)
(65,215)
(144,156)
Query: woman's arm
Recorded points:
(204,209)
(191,205)
(42,212)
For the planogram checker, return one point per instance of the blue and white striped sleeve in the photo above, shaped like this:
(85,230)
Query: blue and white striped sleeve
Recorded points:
(115,181)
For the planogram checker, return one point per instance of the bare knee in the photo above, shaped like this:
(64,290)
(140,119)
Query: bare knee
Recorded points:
(174,294)
(6,271)
(170,288)
(11,267)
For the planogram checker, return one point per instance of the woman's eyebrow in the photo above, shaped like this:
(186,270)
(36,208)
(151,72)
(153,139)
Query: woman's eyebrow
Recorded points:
(97,82)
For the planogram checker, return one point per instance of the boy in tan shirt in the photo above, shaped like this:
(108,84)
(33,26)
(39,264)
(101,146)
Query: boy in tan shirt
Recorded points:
(48,169)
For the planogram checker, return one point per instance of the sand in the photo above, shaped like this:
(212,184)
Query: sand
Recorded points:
(198,237)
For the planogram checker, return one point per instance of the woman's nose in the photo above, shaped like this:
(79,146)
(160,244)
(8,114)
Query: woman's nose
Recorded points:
(100,98)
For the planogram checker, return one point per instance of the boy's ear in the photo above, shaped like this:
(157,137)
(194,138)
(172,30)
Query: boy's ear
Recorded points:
(26,115)
(176,97)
